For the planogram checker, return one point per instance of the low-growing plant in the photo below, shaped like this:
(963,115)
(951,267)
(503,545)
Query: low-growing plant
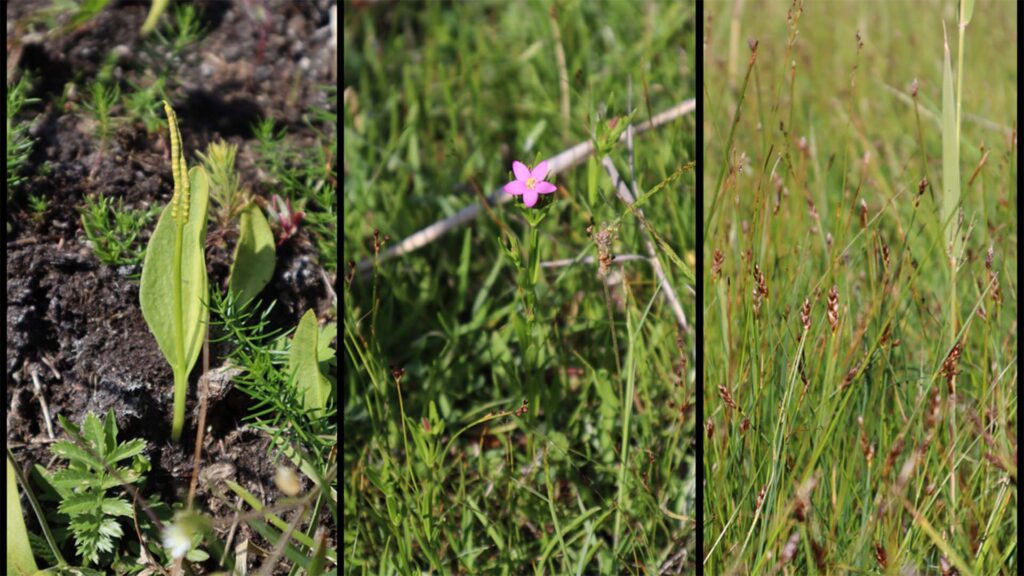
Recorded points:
(254,259)
(86,485)
(174,289)
(307,177)
(142,104)
(290,380)
(112,230)
(19,143)
(101,103)
(226,193)
(38,205)
(185,30)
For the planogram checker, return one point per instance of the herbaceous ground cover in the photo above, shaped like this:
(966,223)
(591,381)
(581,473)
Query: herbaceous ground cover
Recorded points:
(501,417)
(860,288)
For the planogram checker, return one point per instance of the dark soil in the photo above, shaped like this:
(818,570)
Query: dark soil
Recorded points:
(74,325)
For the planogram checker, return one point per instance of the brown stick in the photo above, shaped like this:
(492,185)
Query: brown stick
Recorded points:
(567,159)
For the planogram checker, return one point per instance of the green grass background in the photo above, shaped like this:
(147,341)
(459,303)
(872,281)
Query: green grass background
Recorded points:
(439,99)
(825,126)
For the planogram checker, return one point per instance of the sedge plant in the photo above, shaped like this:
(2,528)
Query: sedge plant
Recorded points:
(174,284)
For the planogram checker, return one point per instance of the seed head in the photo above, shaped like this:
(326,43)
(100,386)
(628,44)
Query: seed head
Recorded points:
(833,308)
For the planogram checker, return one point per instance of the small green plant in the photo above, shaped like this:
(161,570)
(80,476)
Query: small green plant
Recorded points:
(184,31)
(92,472)
(112,230)
(290,380)
(102,100)
(142,104)
(38,204)
(19,144)
(226,192)
(255,256)
(307,177)
(174,284)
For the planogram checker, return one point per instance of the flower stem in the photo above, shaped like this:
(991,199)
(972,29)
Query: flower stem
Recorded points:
(180,374)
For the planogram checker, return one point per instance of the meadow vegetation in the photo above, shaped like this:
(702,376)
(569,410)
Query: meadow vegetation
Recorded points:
(513,410)
(860,296)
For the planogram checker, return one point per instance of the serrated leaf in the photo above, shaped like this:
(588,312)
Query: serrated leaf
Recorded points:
(253,263)
(75,454)
(72,479)
(310,383)
(92,431)
(126,450)
(110,528)
(116,507)
(78,504)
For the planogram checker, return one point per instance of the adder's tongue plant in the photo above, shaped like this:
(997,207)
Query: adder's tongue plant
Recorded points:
(174,285)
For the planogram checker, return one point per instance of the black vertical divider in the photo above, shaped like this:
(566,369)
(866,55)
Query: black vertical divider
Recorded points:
(699,308)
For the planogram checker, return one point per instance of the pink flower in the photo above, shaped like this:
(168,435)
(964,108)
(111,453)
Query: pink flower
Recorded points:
(529,184)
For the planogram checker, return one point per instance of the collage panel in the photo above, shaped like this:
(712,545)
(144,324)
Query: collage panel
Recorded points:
(519,290)
(859,287)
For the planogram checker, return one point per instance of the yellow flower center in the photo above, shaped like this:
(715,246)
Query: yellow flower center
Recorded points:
(530,183)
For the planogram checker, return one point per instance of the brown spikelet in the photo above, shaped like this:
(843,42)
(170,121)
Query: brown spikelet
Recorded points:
(886,335)
(850,376)
(709,428)
(716,265)
(863,213)
(820,554)
(604,239)
(760,289)
(833,308)
(894,453)
(993,278)
(805,314)
(949,366)
(727,397)
(760,498)
(885,256)
(880,556)
(866,447)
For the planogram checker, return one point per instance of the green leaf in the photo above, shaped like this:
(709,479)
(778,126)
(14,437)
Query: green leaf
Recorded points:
(950,153)
(92,431)
(253,263)
(20,560)
(76,504)
(126,450)
(324,353)
(75,454)
(966,11)
(70,479)
(116,507)
(311,384)
(156,293)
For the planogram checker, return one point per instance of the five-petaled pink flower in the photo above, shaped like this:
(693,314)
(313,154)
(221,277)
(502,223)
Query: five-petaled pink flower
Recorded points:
(529,184)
